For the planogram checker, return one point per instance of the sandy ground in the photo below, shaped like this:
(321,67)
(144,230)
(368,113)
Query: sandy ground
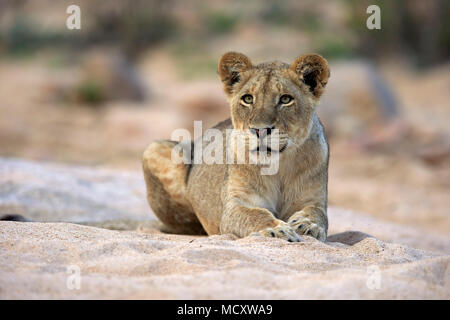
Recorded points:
(36,257)
(364,257)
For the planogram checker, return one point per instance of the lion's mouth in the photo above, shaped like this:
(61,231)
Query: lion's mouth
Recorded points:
(268,149)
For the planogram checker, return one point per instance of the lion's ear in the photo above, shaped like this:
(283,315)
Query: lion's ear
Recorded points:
(313,71)
(231,65)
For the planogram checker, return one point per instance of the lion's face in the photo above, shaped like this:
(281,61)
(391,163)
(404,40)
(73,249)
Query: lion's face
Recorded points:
(273,102)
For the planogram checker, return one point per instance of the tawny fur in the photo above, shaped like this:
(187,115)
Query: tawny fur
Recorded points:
(237,198)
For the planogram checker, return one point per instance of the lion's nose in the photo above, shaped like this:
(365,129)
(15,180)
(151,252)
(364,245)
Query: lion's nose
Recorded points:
(262,132)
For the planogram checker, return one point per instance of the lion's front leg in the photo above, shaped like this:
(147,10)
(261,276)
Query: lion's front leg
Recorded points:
(243,221)
(311,220)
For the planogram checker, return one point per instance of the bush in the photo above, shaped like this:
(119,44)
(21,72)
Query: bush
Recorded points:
(221,22)
(91,92)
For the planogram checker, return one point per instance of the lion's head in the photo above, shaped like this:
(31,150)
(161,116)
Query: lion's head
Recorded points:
(273,95)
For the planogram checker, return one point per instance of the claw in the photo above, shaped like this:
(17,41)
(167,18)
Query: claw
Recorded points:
(307,227)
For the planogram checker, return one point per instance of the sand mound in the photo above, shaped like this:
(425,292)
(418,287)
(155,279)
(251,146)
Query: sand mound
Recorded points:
(35,259)
(364,257)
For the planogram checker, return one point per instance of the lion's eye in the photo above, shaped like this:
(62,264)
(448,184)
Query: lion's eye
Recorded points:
(247,99)
(285,99)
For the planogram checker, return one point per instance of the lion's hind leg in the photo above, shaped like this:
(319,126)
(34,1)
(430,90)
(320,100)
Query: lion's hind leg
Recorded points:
(166,189)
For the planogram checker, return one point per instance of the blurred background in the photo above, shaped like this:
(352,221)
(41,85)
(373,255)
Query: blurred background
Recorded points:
(137,70)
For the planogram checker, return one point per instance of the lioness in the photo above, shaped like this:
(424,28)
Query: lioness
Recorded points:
(237,198)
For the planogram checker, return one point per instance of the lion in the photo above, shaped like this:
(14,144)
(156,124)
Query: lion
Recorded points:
(199,198)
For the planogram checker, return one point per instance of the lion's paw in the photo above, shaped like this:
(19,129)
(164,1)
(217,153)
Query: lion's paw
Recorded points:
(282,231)
(304,226)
